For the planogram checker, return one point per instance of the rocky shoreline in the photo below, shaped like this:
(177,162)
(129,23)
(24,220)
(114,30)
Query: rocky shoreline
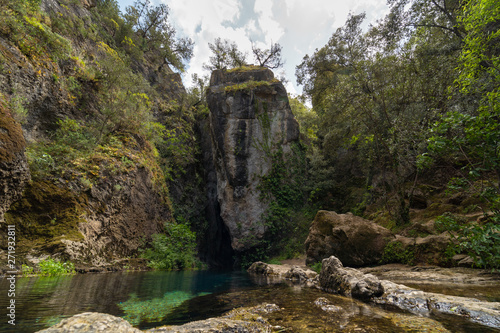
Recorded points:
(361,284)
(367,285)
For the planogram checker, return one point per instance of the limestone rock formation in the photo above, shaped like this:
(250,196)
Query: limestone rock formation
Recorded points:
(282,272)
(352,239)
(250,118)
(423,303)
(14,172)
(92,322)
(244,320)
(336,278)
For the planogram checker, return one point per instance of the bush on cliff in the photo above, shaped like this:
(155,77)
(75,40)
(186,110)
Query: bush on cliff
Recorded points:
(176,249)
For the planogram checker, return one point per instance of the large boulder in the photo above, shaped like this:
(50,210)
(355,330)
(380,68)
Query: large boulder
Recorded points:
(250,119)
(336,278)
(354,240)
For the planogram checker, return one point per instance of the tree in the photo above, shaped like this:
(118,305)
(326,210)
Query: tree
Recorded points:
(225,54)
(197,93)
(408,15)
(374,106)
(156,36)
(474,135)
(270,58)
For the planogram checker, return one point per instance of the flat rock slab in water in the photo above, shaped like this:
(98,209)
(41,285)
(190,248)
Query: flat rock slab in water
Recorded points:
(433,274)
(418,301)
(92,322)
(241,320)
(337,279)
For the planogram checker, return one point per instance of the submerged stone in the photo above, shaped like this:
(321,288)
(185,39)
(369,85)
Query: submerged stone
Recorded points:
(92,322)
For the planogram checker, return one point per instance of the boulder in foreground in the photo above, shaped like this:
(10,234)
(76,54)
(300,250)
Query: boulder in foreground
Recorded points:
(336,278)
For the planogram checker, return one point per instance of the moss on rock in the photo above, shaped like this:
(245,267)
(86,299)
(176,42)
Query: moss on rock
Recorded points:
(47,214)
(11,135)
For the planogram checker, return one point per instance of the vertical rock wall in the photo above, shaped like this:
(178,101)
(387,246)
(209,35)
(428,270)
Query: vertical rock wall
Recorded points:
(250,117)
(14,171)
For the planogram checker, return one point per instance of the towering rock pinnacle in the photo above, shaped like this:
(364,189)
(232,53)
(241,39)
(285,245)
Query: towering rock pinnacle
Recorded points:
(250,118)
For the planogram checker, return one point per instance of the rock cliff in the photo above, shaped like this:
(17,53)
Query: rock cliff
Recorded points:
(98,190)
(14,172)
(250,118)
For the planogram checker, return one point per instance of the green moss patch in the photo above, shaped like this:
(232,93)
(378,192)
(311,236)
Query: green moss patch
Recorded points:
(47,214)
(249,68)
(248,85)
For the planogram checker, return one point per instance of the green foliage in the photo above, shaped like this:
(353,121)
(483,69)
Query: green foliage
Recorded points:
(27,270)
(274,261)
(286,219)
(259,253)
(470,139)
(155,36)
(173,250)
(481,241)
(124,98)
(282,188)
(374,95)
(27,28)
(245,86)
(152,310)
(317,267)
(20,113)
(307,120)
(450,222)
(480,56)
(71,141)
(51,267)
(225,54)
(395,252)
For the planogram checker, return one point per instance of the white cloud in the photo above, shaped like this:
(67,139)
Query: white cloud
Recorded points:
(299,26)
(272,29)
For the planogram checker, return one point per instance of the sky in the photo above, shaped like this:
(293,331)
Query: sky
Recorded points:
(299,26)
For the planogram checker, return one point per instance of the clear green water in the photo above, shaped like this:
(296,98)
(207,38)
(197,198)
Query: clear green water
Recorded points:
(43,301)
(151,299)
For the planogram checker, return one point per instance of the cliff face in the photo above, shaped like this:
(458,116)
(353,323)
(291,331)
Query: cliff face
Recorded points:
(14,172)
(94,197)
(250,118)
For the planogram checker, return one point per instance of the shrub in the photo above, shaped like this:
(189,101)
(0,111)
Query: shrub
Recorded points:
(176,249)
(317,267)
(480,241)
(395,252)
(27,270)
(51,267)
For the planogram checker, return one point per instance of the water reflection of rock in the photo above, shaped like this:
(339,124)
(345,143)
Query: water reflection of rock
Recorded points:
(75,294)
